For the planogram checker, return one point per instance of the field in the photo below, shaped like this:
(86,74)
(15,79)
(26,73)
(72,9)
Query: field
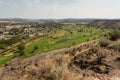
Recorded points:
(60,38)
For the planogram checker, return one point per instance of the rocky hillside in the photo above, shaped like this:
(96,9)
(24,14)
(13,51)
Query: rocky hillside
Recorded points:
(114,24)
(93,60)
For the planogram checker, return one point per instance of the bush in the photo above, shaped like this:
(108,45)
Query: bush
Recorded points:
(114,46)
(59,60)
(73,52)
(114,35)
(21,53)
(3,46)
(21,48)
(46,73)
(35,47)
(104,42)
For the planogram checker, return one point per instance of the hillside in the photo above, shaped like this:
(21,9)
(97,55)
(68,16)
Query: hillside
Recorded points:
(98,59)
(65,52)
(55,39)
(114,24)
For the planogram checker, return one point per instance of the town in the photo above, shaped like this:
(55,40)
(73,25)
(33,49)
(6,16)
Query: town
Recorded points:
(10,29)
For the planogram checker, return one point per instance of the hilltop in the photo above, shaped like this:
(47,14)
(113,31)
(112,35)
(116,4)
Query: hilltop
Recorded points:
(113,24)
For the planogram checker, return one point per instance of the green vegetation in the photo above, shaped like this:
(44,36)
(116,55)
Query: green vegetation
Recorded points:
(4,59)
(5,43)
(14,31)
(21,48)
(67,36)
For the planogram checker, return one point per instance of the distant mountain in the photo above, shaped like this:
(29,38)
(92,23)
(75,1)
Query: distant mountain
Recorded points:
(74,20)
(66,20)
(106,23)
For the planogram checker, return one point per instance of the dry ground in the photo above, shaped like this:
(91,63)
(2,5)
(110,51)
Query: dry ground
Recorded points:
(87,61)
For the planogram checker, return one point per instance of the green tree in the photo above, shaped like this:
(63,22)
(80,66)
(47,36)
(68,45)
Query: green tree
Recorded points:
(21,49)
(14,31)
(35,47)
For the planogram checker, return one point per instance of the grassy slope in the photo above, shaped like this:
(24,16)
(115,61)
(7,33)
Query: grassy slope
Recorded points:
(51,41)
(47,43)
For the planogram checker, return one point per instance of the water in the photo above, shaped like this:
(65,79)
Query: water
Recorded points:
(63,40)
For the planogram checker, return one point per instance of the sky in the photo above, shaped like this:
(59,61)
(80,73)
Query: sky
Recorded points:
(57,9)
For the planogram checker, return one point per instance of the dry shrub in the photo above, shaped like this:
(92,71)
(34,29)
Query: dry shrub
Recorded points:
(50,71)
(115,46)
(114,35)
(73,52)
(60,60)
(101,53)
(104,42)
(45,73)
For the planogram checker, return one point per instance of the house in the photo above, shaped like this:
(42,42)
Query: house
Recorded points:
(30,30)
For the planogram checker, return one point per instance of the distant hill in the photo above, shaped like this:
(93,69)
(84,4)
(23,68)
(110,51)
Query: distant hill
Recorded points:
(78,21)
(104,23)
(66,20)
(114,24)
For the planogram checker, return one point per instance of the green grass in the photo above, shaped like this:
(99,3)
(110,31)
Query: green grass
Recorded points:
(75,37)
(4,59)
(76,34)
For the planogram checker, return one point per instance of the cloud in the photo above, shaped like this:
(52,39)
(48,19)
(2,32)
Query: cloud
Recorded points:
(59,8)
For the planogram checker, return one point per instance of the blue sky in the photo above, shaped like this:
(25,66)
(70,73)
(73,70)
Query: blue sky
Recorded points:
(38,9)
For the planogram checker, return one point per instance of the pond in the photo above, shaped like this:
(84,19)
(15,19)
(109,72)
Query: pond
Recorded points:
(63,40)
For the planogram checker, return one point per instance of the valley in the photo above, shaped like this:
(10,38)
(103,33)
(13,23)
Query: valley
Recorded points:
(59,51)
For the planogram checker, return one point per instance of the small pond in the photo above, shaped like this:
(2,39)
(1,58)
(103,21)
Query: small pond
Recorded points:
(63,40)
